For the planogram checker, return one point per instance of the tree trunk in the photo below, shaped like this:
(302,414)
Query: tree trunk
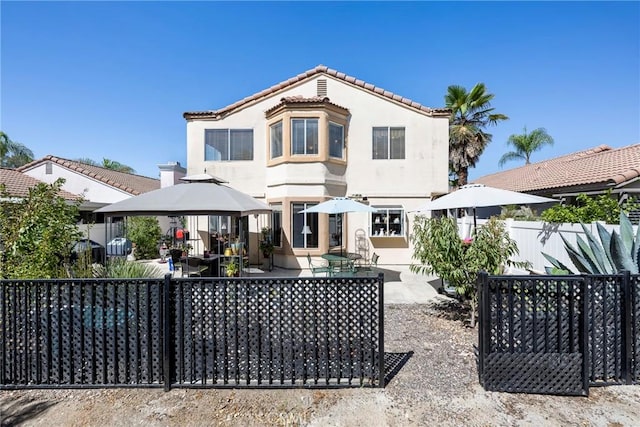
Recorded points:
(473,303)
(463,176)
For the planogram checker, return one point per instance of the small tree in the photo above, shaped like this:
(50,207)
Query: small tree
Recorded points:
(145,232)
(37,233)
(439,250)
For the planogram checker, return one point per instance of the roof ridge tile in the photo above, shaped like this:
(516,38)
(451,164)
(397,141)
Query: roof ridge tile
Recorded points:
(217,114)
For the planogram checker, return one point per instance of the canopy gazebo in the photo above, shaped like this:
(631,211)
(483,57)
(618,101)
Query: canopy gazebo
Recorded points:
(201,195)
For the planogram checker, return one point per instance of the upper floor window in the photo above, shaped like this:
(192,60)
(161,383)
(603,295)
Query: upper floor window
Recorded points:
(304,136)
(388,143)
(228,144)
(336,140)
(276,139)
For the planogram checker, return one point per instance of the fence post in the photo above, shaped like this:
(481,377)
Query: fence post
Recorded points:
(626,341)
(382,378)
(584,323)
(483,319)
(166,331)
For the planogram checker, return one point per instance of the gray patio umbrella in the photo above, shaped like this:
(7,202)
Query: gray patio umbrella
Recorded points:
(339,205)
(194,198)
(479,195)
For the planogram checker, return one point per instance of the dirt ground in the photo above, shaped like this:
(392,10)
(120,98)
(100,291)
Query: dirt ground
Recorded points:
(436,383)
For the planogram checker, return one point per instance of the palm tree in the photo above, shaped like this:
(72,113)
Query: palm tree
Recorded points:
(13,154)
(108,164)
(526,144)
(471,114)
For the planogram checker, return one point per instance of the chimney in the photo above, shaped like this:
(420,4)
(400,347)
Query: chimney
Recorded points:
(171,173)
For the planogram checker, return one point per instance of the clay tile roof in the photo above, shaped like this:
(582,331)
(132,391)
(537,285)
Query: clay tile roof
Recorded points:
(127,182)
(299,99)
(600,165)
(18,184)
(320,69)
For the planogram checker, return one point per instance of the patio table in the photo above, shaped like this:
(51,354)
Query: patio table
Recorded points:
(341,264)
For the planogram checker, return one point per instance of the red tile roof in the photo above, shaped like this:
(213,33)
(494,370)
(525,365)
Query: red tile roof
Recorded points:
(600,166)
(315,100)
(18,184)
(320,69)
(129,183)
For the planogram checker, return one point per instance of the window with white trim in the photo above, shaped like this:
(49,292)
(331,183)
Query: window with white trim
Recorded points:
(228,144)
(388,143)
(388,221)
(304,136)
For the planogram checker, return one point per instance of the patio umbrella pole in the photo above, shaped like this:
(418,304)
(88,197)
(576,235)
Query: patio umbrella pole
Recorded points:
(474,221)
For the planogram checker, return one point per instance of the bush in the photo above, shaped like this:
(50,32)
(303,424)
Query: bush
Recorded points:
(589,209)
(439,250)
(37,233)
(145,232)
(120,268)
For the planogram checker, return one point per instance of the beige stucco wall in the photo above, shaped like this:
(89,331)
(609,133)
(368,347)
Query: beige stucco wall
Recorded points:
(407,182)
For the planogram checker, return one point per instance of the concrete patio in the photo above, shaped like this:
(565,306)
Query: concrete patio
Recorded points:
(401,286)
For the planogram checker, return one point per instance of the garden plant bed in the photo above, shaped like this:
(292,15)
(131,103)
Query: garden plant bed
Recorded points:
(435,383)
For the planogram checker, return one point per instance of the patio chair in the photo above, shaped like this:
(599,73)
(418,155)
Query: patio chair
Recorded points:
(318,268)
(372,265)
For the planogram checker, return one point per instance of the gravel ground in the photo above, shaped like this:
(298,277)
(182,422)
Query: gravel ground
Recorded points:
(437,385)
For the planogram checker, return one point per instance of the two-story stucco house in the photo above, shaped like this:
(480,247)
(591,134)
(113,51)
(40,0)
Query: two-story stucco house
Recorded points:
(319,135)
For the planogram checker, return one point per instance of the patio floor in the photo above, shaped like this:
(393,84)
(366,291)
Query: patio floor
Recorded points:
(400,285)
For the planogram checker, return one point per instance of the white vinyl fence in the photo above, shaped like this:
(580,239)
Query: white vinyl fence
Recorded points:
(534,237)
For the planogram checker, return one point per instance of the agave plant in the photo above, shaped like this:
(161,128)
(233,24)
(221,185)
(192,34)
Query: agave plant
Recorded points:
(611,254)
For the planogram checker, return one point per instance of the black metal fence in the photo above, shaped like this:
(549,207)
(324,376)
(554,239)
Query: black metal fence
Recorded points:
(558,334)
(196,332)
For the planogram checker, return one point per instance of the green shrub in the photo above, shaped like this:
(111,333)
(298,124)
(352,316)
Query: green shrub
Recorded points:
(145,232)
(439,250)
(589,209)
(37,232)
(120,268)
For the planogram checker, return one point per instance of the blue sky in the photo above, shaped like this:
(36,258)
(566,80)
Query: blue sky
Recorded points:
(112,79)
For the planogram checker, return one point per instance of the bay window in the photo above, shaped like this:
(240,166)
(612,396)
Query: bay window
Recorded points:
(276,139)
(304,136)
(336,140)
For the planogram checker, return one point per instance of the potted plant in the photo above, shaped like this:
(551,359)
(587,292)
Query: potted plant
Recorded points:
(266,245)
(232,269)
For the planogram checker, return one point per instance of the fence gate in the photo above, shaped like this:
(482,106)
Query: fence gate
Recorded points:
(613,328)
(531,335)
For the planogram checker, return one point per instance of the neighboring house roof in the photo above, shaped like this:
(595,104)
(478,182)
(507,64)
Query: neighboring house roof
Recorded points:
(18,184)
(320,69)
(129,183)
(596,168)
